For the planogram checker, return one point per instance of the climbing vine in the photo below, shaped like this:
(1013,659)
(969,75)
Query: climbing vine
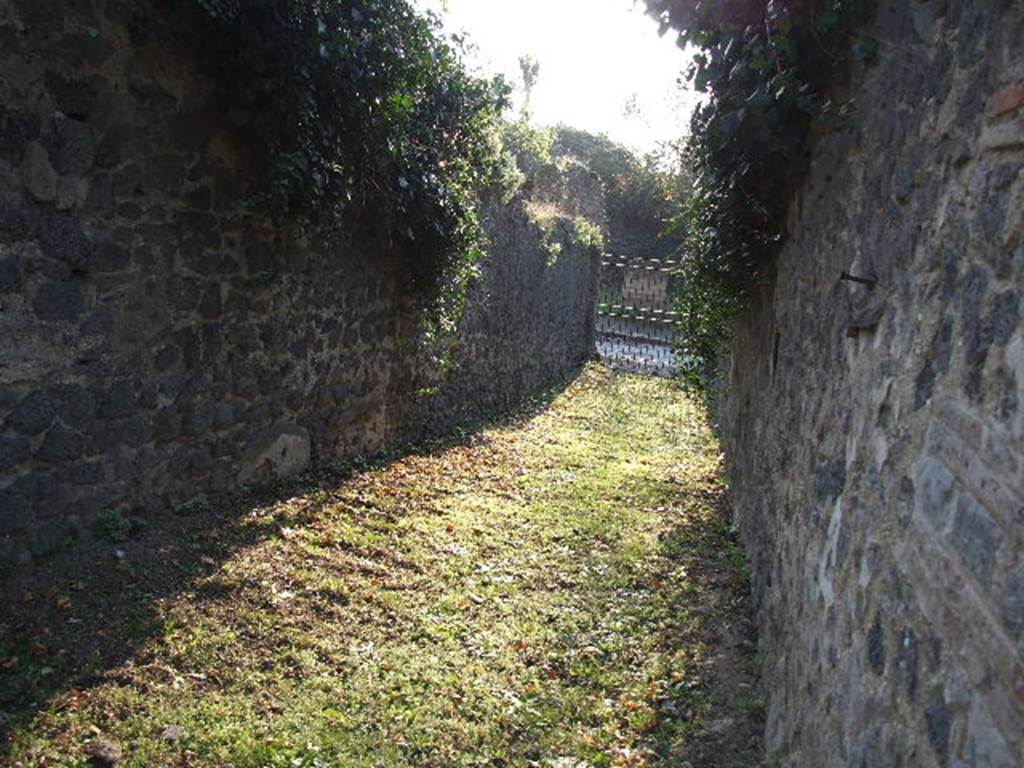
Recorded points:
(365,116)
(767,67)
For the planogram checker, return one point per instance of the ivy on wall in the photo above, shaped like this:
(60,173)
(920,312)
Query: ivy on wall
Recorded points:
(364,115)
(767,67)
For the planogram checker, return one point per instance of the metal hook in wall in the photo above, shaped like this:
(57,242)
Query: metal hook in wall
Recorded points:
(870,282)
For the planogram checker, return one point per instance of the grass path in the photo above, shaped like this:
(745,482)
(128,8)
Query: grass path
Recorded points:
(563,591)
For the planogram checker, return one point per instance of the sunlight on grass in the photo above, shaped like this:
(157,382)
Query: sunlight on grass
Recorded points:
(542,597)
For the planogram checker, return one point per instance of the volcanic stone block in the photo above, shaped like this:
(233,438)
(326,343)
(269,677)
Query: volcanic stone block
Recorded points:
(279,452)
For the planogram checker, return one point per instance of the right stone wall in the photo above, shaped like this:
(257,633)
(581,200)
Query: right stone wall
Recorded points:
(874,435)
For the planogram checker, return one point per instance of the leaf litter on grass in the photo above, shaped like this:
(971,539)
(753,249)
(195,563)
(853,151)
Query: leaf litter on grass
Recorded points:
(563,591)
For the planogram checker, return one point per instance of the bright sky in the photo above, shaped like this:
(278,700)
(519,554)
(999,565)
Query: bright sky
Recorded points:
(596,57)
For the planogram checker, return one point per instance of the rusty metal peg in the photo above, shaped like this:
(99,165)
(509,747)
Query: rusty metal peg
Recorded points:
(870,282)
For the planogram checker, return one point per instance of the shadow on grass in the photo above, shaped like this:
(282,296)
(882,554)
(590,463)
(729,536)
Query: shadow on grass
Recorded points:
(80,612)
(719,708)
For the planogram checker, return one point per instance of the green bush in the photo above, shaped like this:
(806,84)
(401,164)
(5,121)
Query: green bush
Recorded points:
(641,193)
(587,235)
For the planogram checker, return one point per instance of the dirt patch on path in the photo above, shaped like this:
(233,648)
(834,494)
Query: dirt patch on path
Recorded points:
(562,591)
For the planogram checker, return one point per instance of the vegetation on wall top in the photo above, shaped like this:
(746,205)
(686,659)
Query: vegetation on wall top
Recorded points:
(641,193)
(767,67)
(366,115)
(530,160)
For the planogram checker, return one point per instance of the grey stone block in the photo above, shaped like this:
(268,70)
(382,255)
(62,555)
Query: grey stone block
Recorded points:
(72,192)
(75,98)
(905,661)
(32,415)
(136,430)
(15,512)
(279,452)
(829,479)
(108,257)
(935,487)
(117,402)
(166,358)
(18,222)
(939,725)
(1005,318)
(197,418)
(72,147)
(166,424)
(61,302)
(1013,603)
(210,303)
(100,195)
(37,174)
(100,322)
(876,647)
(14,449)
(83,473)
(977,537)
(61,444)
(10,273)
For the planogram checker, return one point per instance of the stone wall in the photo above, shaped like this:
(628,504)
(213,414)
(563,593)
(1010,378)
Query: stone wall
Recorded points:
(527,315)
(157,346)
(875,436)
(526,321)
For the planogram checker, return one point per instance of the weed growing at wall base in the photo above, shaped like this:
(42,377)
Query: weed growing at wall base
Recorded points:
(117,524)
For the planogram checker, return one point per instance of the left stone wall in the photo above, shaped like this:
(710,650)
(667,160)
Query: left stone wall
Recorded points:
(157,347)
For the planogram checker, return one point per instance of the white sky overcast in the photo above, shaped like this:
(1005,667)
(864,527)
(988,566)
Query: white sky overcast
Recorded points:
(595,55)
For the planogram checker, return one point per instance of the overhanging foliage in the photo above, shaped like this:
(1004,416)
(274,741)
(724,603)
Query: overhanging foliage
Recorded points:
(364,114)
(767,67)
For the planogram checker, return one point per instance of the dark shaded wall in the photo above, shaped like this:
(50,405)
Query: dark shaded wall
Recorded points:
(875,436)
(157,346)
(527,318)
